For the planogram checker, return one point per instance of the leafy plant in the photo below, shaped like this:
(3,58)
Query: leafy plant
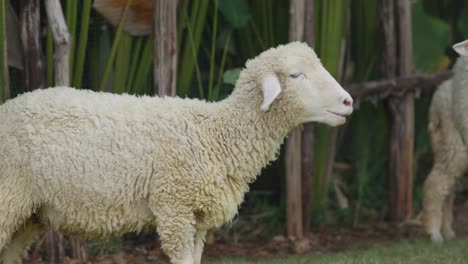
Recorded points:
(330,28)
(430,38)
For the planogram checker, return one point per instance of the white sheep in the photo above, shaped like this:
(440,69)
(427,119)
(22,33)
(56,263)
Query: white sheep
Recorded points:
(448,130)
(99,165)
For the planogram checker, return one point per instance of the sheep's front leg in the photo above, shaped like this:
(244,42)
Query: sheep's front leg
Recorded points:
(176,229)
(447,229)
(199,243)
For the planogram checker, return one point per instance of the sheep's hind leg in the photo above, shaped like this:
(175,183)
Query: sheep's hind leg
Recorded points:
(21,240)
(447,229)
(438,188)
(199,243)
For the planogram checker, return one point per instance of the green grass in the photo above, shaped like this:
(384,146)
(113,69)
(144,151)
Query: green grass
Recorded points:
(423,252)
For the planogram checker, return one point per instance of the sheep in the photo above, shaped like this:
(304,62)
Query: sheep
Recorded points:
(448,130)
(100,164)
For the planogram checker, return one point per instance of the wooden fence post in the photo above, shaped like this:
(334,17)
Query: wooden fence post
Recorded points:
(307,165)
(293,146)
(165,47)
(62,42)
(30,22)
(400,109)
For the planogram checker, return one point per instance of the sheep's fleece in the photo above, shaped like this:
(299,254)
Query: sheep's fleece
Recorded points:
(99,164)
(448,129)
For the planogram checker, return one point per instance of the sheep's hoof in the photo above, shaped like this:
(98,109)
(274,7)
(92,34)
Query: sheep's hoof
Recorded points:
(449,235)
(437,237)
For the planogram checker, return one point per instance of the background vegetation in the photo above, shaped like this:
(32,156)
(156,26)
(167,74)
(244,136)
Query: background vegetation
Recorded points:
(216,37)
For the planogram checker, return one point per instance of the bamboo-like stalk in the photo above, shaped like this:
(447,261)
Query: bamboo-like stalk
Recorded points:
(331,23)
(82,44)
(365,26)
(184,5)
(49,58)
(189,63)
(4,75)
(122,60)
(71,18)
(213,51)
(194,55)
(134,64)
(115,45)
(144,67)
(221,68)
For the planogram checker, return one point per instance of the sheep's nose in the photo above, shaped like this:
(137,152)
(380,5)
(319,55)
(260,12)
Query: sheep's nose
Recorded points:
(348,101)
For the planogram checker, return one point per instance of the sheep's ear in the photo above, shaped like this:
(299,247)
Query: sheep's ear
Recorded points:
(271,88)
(461,48)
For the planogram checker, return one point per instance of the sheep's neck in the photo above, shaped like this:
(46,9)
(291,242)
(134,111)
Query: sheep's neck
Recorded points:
(248,139)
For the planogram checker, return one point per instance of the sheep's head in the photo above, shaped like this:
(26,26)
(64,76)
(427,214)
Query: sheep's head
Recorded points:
(294,71)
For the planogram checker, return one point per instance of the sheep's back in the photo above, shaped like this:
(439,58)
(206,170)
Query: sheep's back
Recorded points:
(97,149)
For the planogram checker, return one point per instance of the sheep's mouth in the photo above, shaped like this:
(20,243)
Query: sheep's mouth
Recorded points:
(337,114)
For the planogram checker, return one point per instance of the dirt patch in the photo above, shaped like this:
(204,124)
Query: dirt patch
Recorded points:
(325,240)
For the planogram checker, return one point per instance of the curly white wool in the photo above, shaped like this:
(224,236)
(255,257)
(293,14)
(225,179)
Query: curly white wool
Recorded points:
(448,129)
(98,164)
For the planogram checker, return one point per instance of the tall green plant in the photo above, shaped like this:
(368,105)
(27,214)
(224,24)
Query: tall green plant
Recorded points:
(365,56)
(115,46)
(82,44)
(49,58)
(428,55)
(71,16)
(331,28)
(194,24)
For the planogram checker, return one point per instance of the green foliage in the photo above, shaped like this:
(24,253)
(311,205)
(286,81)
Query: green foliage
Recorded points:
(236,12)
(463,22)
(113,51)
(82,44)
(101,248)
(365,27)
(330,29)
(231,76)
(188,63)
(267,28)
(430,38)
(368,138)
(49,58)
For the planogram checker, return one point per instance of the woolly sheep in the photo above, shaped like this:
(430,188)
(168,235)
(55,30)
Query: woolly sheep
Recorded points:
(448,130)
(99,165)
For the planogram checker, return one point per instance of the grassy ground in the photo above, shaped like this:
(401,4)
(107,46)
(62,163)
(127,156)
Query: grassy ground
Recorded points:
(423,252)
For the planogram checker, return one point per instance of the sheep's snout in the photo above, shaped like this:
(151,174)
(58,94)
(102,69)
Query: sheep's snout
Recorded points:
(338,106)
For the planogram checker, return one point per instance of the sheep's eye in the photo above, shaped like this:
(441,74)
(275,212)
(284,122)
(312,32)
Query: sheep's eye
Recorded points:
(296,75)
